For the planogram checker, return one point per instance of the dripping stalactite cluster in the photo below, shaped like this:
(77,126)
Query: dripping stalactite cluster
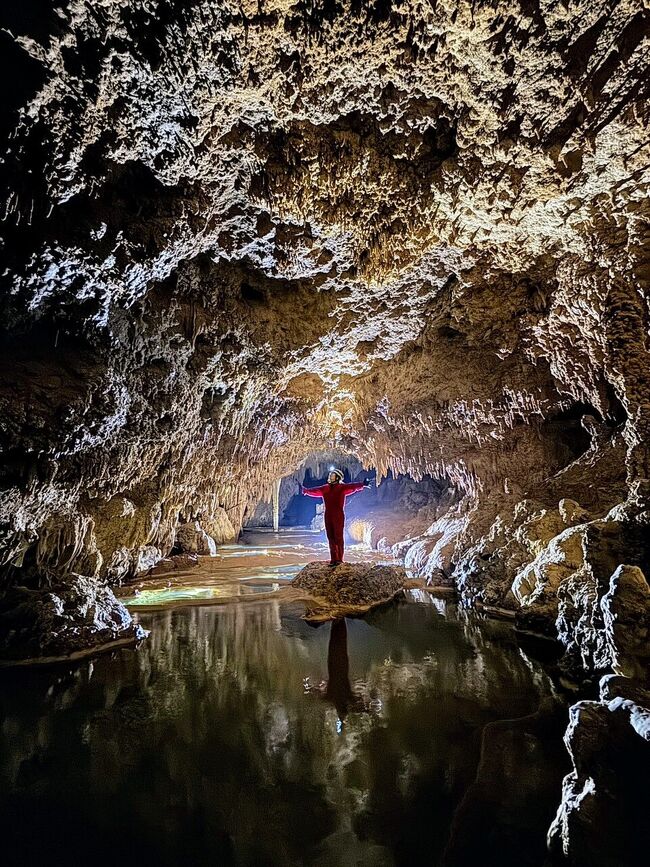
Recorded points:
(236,235)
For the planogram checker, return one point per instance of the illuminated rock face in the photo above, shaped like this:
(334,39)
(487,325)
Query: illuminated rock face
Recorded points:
(240,233)
(70,621)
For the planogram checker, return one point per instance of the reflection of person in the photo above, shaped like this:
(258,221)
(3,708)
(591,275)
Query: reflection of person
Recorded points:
(339,690)
(334,494)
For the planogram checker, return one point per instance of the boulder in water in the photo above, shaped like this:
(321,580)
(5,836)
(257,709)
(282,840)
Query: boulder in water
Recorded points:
(348,589)
(79,618)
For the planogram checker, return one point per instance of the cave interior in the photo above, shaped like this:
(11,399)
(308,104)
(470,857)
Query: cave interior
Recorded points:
(245,241)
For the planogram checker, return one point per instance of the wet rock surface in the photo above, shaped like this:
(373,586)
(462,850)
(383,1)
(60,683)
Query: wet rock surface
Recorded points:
(348,589)
(79,618)
(602,817)
(176,563)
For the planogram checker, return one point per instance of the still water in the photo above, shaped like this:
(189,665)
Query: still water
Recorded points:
(237,734)
(262,563)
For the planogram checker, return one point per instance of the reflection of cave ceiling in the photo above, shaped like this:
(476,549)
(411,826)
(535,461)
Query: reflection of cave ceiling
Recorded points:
(239,232)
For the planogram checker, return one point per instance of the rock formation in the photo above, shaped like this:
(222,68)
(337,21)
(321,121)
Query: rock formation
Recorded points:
(239,233)
(67,622)
(348,589)
(191,538)
(601,819)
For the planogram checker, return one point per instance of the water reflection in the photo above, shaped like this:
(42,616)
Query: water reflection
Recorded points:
(337,689)
(210,745)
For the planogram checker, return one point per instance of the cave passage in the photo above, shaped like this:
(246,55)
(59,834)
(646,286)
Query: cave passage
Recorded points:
(295,510)
(396,498)
(242,241)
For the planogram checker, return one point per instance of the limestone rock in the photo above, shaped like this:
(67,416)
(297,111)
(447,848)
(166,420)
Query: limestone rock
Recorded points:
(176,563)
(246,236)
(572,512)
(417,233)
(349,589)
(605,586)
(81,617)
(496,569)
(556,579)
(537,584)
(626,618)
(191,538)
(602,819)
(218,526)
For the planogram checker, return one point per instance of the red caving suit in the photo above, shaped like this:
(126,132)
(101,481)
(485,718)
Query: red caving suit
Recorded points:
(334,498)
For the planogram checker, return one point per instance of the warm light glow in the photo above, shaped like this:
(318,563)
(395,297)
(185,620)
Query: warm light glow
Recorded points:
(360,530)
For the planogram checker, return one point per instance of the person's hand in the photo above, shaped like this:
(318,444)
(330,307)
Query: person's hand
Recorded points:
(367,483)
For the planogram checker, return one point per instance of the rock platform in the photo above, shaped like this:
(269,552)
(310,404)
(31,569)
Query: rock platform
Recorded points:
(347,590)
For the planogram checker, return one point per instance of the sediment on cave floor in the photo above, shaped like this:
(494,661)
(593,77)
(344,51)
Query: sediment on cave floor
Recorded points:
(242,242)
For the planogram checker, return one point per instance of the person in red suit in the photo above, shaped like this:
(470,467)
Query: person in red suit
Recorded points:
(334,494)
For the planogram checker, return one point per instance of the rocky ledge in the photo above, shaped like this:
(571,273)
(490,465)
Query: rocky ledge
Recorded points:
(78,619)
(347,590)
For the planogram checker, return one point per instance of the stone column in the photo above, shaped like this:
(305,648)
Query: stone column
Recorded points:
(276,504)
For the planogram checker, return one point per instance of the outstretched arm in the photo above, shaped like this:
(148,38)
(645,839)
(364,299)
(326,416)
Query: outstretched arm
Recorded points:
(312,492)
(353,487)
